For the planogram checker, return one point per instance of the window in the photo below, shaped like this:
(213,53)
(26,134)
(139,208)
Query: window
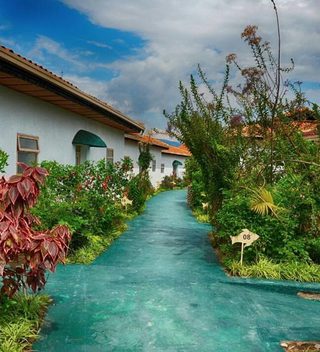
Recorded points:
(81,153)
(162,168)
(27,150)
(154,165)
(109,155)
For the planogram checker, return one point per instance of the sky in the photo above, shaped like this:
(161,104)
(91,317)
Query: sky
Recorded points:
(133,53)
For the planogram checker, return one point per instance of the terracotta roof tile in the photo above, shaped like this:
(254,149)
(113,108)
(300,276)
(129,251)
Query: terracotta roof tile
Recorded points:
(181,150)
(146,139)
(309,129)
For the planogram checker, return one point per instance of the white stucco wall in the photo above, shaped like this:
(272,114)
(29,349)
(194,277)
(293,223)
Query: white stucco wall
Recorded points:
(168,160)
(55,128)
(156,176)
(132,150)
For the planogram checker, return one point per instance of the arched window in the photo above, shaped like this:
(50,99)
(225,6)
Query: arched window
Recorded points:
(175,165)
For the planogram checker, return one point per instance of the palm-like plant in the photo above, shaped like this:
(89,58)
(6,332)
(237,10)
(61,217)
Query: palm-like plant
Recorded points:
(262,202)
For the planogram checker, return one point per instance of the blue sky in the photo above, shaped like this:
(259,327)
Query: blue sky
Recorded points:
(132,53)
(28,22)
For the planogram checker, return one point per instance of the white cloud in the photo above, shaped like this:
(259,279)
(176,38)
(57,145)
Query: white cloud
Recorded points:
(181,33)
(45,45)
(99,44)
(8,42)
(91,86)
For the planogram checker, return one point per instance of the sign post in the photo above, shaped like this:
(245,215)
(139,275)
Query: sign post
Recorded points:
(241,258)
(246,238)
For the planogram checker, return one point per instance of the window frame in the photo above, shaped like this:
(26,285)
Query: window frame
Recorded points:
(162,168)
(27,150)
(27,136)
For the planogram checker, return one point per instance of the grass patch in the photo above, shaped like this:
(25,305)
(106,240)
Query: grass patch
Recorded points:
(267,269)
(201,216)
(96,246)
(20,321)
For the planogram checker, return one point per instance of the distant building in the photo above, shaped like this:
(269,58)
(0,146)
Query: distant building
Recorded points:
(167,160)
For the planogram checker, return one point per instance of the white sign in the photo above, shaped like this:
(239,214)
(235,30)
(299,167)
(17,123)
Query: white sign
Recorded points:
(246,238)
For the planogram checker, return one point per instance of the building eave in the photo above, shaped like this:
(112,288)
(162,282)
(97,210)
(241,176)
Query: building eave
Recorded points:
(22,75)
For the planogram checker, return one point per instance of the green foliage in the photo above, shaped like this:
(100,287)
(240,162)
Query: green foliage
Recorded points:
(145,157)
(236,215)
(293,235)
(140,188)
(20,320)
(201,216)
(194,178)
(87,198)
(199,125)
(3,160)
(251,163)
(96,245)
(267,269)
(172,182)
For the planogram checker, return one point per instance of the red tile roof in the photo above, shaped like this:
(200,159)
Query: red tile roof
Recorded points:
(181,150)
(309,129)
(146,139)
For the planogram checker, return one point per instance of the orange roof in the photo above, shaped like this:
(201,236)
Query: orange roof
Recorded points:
(25,76)
(146,139)
(181,150)
(309,129)
(252,131)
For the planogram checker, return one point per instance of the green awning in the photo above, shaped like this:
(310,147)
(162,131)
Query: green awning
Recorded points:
(176,163)
(87,138)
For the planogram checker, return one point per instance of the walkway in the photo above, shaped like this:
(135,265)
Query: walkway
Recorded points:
(159,288)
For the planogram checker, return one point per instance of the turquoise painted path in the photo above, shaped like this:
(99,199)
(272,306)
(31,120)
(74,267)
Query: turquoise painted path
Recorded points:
(160,288)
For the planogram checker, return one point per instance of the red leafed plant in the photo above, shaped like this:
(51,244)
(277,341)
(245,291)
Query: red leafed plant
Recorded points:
(26,254)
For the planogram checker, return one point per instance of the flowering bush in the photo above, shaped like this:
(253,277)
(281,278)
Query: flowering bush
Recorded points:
(25,254)
(88,198)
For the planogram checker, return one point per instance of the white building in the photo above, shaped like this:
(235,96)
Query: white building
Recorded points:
(167,159)
(44,117)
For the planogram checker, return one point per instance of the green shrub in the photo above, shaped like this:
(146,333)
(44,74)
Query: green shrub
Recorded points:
(196,186)
(3,160)
(278,235)
(172,182)
(87,198)
(139,189)
(95,246)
